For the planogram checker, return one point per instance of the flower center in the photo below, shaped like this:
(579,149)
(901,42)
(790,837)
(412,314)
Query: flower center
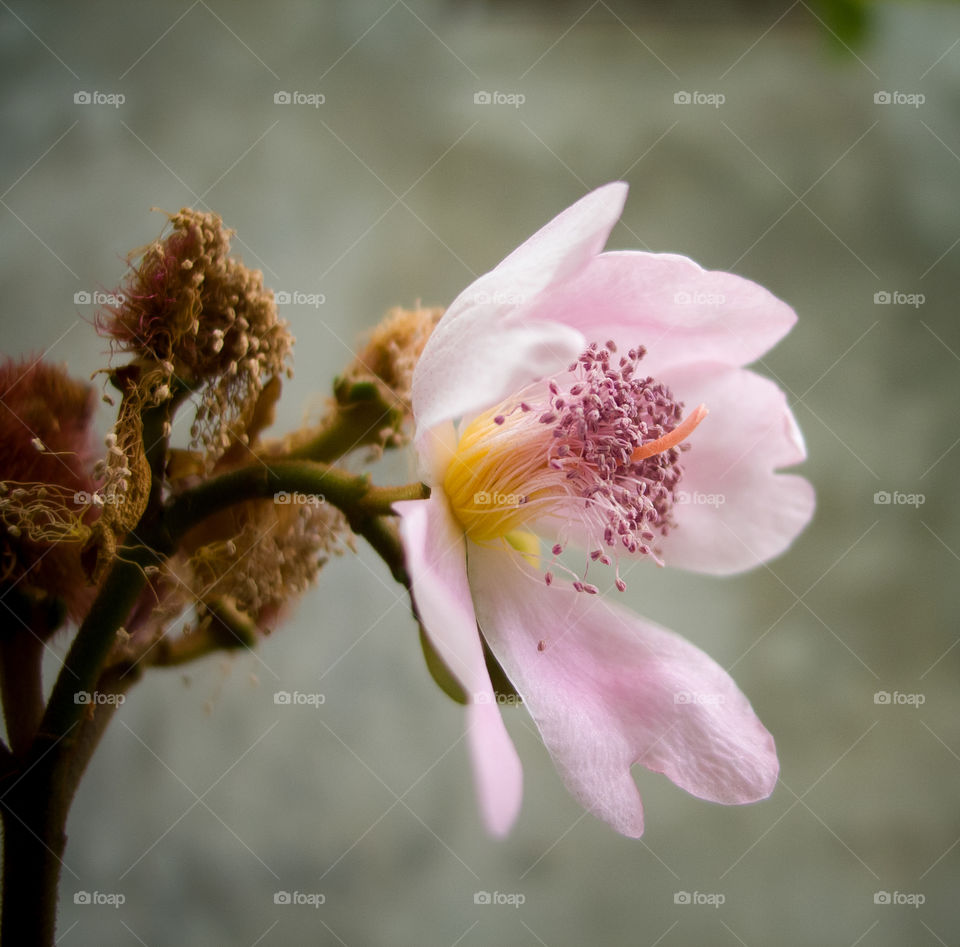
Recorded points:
(591,456)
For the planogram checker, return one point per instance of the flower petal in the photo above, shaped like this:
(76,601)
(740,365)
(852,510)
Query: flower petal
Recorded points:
(669,304)
(608,689)
(562,247)
(486,345)
(480,359)
(735,511)
(434,548)
(498,774)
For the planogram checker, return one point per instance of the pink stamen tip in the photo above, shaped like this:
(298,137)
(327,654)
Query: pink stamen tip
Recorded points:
(679,434)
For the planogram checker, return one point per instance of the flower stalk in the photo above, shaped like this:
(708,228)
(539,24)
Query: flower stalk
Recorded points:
(142,527)
(42,777)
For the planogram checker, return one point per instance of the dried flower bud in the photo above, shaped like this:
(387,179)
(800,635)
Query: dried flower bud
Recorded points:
(388,360)
(46,490)
(205,321)
(394,346)
(262,554)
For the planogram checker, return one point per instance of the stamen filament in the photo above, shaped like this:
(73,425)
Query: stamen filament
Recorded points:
(679,434)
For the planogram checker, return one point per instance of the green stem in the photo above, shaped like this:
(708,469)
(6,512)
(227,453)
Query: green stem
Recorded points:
(358,418)
(337,436)
(351,494)
(381,533)
(91,646)
(39,786)
(226,629)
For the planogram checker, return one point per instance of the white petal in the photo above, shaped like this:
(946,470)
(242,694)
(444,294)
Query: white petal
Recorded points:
(487,344)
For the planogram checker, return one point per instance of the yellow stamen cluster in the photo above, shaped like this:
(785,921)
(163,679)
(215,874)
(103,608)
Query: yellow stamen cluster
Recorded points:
(498,477)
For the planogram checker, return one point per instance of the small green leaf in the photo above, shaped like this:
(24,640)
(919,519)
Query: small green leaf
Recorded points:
(439,671)
(451,686)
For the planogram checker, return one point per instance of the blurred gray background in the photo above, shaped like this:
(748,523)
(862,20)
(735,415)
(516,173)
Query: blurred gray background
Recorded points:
(206,798)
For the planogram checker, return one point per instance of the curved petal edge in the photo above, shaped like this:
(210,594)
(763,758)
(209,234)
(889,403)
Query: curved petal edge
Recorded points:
(608,689)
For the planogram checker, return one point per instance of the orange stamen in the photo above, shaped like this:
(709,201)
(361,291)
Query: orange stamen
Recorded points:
(680,433)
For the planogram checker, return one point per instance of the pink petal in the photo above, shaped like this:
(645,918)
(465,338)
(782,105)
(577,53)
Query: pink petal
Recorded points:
(738,512)
(570,241)
(608,690)
(435,558)
(497,772)
(679,311)
(485,346)
(481,358)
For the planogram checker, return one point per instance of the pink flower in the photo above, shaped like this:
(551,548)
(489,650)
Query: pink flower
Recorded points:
(538,427)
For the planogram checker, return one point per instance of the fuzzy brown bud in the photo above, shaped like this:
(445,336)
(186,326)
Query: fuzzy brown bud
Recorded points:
(199,319)
(46,488)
